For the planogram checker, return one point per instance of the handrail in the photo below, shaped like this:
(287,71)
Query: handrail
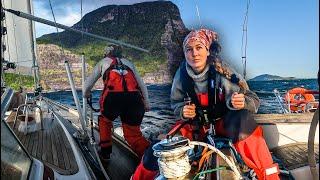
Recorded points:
(62,106)
(27,115)
(5,101)
(65,107)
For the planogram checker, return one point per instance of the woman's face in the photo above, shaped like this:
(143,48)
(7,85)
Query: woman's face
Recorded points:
(196,54)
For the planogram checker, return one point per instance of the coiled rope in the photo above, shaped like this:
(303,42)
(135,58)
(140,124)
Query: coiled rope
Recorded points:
(175,163)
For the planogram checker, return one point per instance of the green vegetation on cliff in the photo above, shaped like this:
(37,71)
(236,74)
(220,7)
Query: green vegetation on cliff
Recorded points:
(15,81)
(94,52)
(142,24)
(149,64)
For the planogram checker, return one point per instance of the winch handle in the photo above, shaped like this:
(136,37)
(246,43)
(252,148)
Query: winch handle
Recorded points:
(174,131)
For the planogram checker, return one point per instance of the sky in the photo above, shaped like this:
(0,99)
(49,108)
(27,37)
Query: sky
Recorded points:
(282,35)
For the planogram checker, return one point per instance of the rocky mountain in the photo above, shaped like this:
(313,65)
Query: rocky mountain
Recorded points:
(52,68)
(54,76)
(268,77)
(156,26)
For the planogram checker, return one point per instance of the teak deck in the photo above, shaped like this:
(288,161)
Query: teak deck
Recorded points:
(49,145)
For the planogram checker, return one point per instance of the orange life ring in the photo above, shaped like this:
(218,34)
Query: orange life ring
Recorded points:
(298,99)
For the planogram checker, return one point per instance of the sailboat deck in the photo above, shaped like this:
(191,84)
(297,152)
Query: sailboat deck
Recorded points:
(295,155)
(49,145)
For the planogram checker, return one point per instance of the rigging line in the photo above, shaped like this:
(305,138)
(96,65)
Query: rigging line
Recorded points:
(198,13)
(58,34)
(245,40)
(55,22)
(81,21)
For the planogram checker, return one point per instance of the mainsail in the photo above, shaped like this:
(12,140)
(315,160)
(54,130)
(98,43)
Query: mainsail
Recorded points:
(20,38)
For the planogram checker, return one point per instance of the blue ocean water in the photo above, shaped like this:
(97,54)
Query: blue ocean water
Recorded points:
(161,116)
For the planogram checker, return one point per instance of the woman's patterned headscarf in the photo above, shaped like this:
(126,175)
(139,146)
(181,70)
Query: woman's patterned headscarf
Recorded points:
(205,36)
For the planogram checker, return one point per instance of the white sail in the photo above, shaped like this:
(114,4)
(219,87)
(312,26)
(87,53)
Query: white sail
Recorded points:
(20,38)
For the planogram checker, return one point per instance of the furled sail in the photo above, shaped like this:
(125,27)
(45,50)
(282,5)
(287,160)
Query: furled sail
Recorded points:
(20,38)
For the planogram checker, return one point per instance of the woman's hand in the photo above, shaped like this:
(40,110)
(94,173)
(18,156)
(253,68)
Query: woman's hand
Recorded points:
(189,111)
(237,100)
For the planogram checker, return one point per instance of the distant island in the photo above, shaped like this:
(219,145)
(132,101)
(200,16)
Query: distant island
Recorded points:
(268,77)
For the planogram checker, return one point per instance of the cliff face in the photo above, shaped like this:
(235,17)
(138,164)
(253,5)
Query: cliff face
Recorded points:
(54,76)
(172,40)
(52,68)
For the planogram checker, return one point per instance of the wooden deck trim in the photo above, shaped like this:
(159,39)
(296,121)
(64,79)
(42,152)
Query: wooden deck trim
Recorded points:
(295,155)
(283,118)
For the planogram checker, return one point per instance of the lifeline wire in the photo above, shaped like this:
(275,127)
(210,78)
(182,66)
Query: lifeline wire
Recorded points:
(198,14)
(244,40)
(55,22)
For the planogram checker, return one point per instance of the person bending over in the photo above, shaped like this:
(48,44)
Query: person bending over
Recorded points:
(125,95)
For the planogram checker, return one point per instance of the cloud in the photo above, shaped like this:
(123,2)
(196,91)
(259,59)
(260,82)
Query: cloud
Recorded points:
(69,12)
(59,6)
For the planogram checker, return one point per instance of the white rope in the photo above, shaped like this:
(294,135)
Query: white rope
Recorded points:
(175,163)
